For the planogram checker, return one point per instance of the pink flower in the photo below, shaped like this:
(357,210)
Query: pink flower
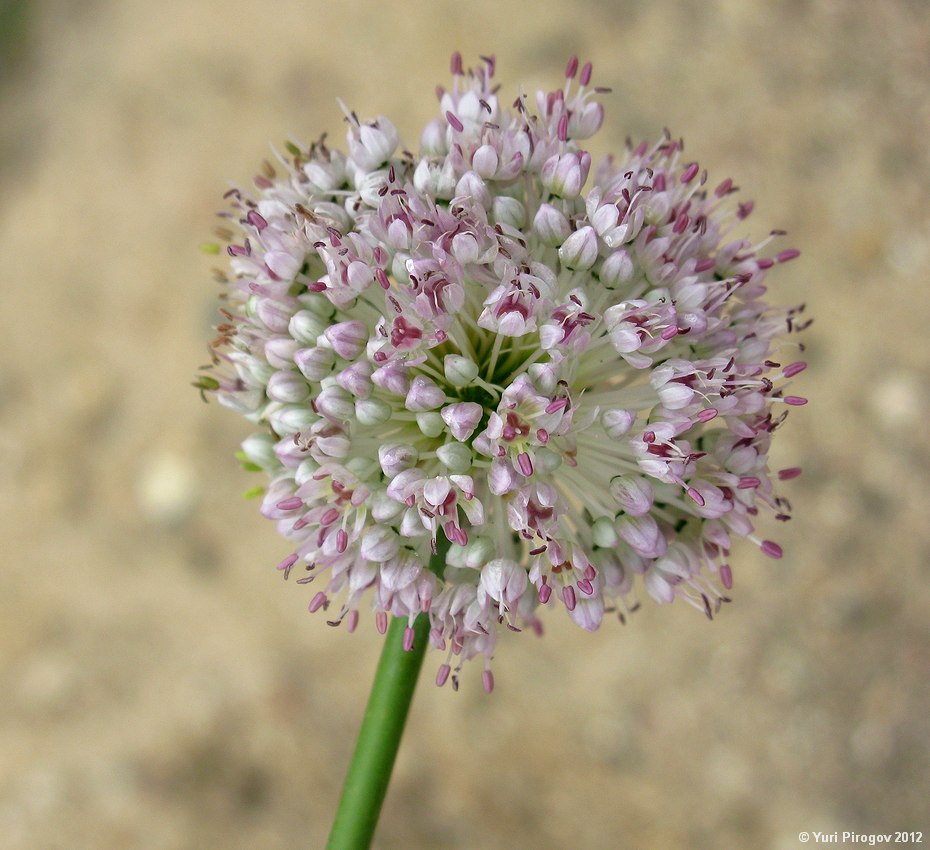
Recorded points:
(566,373)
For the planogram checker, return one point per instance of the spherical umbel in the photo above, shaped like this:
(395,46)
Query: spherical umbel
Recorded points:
(564,371)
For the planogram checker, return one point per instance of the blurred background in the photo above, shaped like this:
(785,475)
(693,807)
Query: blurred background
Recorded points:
(163,688)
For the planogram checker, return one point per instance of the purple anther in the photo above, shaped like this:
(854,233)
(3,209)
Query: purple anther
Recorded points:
(772,549)
(586,73)
(454,121)
(690,172)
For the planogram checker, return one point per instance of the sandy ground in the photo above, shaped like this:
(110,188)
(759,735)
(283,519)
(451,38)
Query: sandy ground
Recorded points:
(161,688)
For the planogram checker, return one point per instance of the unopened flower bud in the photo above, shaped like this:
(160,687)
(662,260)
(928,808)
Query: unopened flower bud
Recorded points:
(603,533)
(507,210)
(335,404)
(291,419)
(287,387)
(396,457)
(579,251)
(326,175)
(477,553)
(372,411)
(585,122)
(473,187)
(380,544)
(633,493)
(617,269)
(371,145)
(280,351)
(643,535)
(459,371)
(617,422)
(314,363)
(305,326)
(565,174)
(551,226)
(424,394)
(484,161)
(456,457)
(465,248)
(462,418)
(430,423)
(348,339)
(384,508)
(433,139)
(356,379)
(259,449)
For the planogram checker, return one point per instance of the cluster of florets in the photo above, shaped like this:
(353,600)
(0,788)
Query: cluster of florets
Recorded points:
(557,379)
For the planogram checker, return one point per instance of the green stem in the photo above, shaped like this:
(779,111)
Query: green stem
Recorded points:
(369,772)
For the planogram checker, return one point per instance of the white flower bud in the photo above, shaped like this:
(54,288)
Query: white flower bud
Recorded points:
(259,449)
(471,186)
(509,211)
(424,394)
(617,269)
(384,508)
(617,422)
(291,419)
(433,139)
(430,423)
(371,145)
(287,387)
(411,524)
(347,338)
(579,251)
(396,457)
(565,174)
(305,472)
(280,351)
(465,248)
(456,457)
(603,533)
(379,545)
(283,264)
(605,218)
(633,493)
(484,161)
(459,371)
(372,411)
(478,552)
(462,418)
(335,404)
(320,306)
(643,535)
(551,226)
(326,175)
(362,467)
(314,363)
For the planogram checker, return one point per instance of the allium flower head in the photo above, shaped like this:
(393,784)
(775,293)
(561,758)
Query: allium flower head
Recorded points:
(563,376)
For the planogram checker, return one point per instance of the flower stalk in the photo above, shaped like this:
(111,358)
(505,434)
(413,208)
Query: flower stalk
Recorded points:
(369,773)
